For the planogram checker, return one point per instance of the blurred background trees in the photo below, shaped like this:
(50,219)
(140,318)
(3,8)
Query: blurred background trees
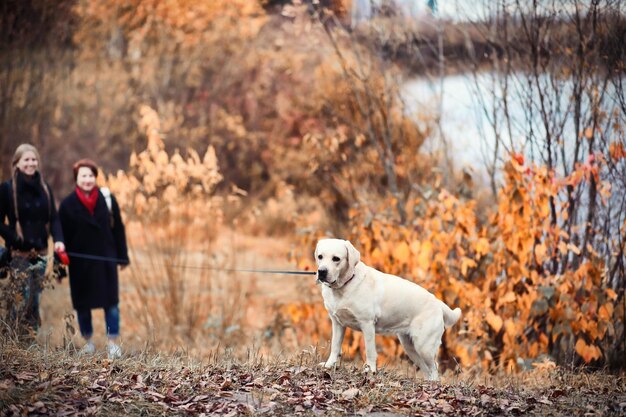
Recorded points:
(306,111)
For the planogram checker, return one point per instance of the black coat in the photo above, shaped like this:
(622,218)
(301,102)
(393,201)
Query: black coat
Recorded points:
(93,283)
(38,215)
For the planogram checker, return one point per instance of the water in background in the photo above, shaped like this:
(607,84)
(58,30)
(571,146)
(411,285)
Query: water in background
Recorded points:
(363,10)
(471,111)
(464,131)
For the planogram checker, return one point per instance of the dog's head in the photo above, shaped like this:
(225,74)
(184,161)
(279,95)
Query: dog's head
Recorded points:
(336,260)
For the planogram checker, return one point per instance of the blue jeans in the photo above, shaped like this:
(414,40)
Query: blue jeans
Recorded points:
(111,317)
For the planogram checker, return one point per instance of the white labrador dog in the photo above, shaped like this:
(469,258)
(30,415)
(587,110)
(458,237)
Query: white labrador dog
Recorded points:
(362,298)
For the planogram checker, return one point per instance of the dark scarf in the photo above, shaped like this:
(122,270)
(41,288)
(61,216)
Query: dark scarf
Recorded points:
(33,210)
(90,200)
(31,182)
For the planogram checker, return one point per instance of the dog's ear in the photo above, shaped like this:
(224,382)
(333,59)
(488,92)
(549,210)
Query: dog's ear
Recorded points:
(354,256)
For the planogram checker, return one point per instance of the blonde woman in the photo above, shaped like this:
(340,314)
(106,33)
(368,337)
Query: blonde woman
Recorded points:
(28,217)
(93,227)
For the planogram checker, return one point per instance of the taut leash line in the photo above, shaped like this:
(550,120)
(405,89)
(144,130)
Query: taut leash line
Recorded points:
(96,257)
(260,271)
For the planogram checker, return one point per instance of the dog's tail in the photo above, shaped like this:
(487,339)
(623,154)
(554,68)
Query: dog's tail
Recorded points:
(450,317)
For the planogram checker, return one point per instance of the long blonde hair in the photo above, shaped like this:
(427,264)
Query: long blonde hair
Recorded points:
(19,152)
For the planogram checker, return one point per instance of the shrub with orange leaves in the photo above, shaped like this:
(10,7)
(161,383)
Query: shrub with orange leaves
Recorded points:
(517,306)
(169,192)
(172,215)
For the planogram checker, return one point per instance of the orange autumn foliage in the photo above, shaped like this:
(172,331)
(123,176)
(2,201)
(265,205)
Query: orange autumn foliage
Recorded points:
(146,21)
(166,193)
(172,215)
(500,272)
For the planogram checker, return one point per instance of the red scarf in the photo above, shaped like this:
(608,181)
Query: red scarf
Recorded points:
(90,200)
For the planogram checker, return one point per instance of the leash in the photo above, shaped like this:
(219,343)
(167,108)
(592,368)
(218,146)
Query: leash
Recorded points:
(261,271)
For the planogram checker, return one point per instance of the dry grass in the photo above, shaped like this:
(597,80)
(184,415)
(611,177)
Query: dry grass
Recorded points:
(184,307)
(39,380)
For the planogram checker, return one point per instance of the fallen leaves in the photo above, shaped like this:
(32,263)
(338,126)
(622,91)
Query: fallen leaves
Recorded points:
(350,393)
(65,385)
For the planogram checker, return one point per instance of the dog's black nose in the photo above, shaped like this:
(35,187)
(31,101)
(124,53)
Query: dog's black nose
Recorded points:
(322,274)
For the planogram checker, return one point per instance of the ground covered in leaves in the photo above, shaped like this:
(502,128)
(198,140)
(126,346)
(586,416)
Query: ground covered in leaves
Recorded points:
(36,381)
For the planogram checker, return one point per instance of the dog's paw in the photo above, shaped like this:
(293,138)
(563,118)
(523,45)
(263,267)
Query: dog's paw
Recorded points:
(368,369)
(328,364)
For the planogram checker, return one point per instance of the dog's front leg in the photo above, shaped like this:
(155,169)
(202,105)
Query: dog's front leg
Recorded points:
(369,337)
(335,344)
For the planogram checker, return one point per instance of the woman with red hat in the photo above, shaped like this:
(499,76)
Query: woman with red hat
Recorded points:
(95,234)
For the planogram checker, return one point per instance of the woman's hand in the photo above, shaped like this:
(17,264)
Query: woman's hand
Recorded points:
(59,246)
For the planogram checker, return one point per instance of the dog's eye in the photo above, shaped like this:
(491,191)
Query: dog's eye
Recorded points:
(319,257)
(336,259)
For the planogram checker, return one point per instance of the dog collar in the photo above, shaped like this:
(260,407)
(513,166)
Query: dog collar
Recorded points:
(336,288)
(346,283)
(353,275)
